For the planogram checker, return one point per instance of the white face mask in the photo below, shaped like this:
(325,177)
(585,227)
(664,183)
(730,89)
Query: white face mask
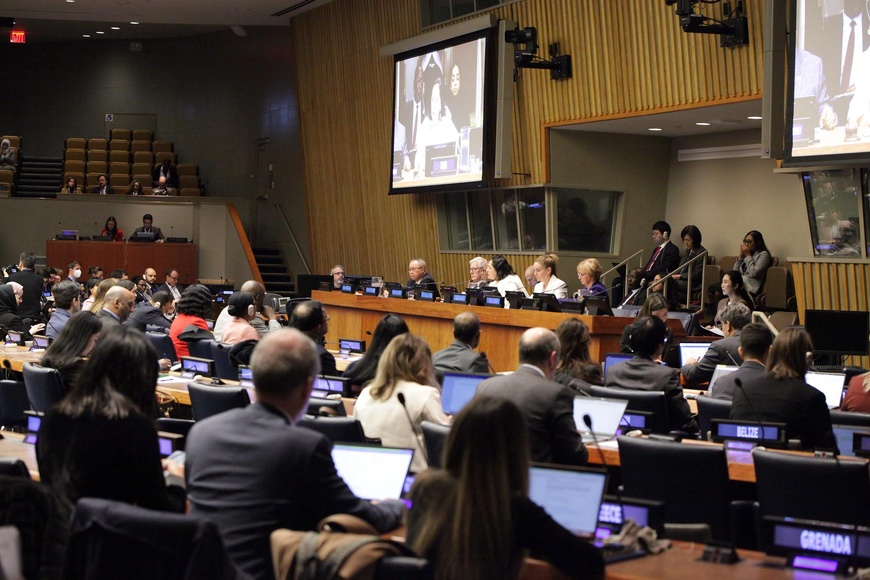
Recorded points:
(77,273)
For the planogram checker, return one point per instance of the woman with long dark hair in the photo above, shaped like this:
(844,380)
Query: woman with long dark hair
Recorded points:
(100,439)
(576,363)
(473,519)
(68,352)
(360,372)
(111,230)
(753,261)
(504,278)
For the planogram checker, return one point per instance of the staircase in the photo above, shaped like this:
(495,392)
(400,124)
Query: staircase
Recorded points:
(39,177)
(276,278)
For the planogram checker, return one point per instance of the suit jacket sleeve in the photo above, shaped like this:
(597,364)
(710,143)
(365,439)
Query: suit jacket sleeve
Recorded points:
(329,494)
(702,371)
(670,258)
(567,446)
(678,408)
(481,365)
(755,266)
(158,234)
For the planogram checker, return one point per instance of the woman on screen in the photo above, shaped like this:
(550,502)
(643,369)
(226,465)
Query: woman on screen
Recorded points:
(437,128)
(405,371)
(474,519)
(782,395)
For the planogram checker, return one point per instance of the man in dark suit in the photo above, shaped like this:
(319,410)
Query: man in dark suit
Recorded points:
(311,319)
(118,306)
(755,341)
(726,351)
(460,356)
(548,407)
(252,471)
(665,256)
(148,227)
(168,171)
(419,277)
(171,284)
(32,300)
(103,188)
(151,315)
(644,373)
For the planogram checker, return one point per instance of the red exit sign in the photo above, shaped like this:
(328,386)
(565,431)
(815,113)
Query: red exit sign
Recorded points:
(18,36)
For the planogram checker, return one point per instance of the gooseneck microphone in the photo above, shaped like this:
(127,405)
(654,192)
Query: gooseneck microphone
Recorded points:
(587,420)
(489,364)
(418,435)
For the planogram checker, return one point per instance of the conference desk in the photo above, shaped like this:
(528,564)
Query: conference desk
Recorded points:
(134,257)
(13,445)
(14,357)
(354,316)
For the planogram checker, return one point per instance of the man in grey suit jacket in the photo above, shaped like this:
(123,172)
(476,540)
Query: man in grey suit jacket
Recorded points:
(252,470)
(755,341)
(548,407)
(644,373)
(119,303)
(726,351)
(460,356)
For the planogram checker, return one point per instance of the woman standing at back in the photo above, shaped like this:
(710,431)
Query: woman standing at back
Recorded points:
(474,519)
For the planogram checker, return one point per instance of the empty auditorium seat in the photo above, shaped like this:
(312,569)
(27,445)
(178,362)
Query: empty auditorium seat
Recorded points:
(118,156)
(74,166)
(160,157)
(120,182)
(120,134)
(140,146)
(74,154)
(98,143)
(142,135)
(119,145)
(98,167)
(186,181)
(143,157)
(188,169)
(190,192)
(160,146)
(142,169)
(98,155)
(75,143)
(120,167)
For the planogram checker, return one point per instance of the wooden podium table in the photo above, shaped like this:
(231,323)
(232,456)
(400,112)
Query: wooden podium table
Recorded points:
(354,316)
(134,257)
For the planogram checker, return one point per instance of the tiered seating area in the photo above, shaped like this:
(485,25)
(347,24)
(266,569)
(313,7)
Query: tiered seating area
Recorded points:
(127,156)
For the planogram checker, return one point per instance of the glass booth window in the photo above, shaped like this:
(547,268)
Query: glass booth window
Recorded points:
(585,219)
(834,209)
(520,219)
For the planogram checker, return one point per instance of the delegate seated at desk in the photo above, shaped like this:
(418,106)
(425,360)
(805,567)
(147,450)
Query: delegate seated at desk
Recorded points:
(148,228)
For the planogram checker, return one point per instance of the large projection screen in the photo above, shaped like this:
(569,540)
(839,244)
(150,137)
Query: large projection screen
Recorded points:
(439,116)
(828,108)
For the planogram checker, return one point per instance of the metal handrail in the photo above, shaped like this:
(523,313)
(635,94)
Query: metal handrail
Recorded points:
(622,263)
(292,236)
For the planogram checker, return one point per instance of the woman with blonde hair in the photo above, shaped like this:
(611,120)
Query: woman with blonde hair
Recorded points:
(589,274)
(403,388)
(545,274)
(99,295)
(473,519)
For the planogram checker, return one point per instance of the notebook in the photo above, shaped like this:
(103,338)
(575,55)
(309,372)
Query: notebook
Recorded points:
(606,414)
(695,350)
(571,495)
(371,472)
(457,389)
(830,384)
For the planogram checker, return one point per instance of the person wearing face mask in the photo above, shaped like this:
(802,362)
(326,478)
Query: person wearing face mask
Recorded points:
(287,478)
(75,272)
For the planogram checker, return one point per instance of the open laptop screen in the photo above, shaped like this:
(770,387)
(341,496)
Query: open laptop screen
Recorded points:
(613,358)
(695,350)
(721,371)
(831,384)
(371,472)
(457,389)
(604,413)
(571,495)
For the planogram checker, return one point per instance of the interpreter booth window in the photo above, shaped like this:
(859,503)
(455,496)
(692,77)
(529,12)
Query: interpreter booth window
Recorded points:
(434,12)
(834,206)
(520,219)
(585,220)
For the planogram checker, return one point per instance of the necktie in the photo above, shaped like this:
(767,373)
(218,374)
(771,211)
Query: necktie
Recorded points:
(653,259)
(847,65)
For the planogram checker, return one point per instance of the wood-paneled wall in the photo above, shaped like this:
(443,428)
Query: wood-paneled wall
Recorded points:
(630,57)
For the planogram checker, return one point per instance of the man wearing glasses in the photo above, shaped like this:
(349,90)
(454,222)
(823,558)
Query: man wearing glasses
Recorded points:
(337,274)
(419,277)
(477,269)
(171,285)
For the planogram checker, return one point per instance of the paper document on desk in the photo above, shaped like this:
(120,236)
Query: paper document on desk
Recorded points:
(716,331)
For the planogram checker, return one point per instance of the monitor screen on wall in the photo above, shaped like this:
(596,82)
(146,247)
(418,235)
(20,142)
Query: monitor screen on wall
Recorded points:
(439,115)
(828,102)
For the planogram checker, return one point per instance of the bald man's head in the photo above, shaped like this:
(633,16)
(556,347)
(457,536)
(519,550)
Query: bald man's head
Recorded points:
(537,347)
(257,290)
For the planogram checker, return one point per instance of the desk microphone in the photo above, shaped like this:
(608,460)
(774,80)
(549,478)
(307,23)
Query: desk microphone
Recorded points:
(739,384)
(737,364)
(483,356)
(419,436)
(587,420)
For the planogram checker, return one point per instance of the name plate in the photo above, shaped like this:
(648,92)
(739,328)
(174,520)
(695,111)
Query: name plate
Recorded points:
(821,546)
(754,431)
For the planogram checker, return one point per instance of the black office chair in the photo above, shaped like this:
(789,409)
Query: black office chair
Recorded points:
(14,467)
(850,418)
(177,426)
(220,354)
(206,401)
(200,348)
(648,401)
(326,407)
(709,409)
(13,403)
(146,544)
(403,568)
(812,488)
(44,386)
(336,429)
(434,438)
(674,473)
(163,345)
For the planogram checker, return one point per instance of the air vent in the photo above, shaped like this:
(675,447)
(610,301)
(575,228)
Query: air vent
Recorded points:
(294,7)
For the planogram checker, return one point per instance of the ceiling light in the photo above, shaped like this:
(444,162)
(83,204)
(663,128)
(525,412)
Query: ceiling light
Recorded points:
(754,118)
(134,23)
(116,28)
(703,124)
(100,32)
(71,1)
(86,35)
(655,128)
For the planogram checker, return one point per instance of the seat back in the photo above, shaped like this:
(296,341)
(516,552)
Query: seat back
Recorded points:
(326,407)
(685,318)
(200,348)
(44,386)
(434,438)
(145,544)
(813,488)
(727,263)
(14,467)
(223,366)
(647,401)
(142,135)
(206,400)
(336,429)
(13,403)
(163,345)
(673,473)
(850,418)
(782,319)
(779,291)
(177,426)
(709,409)
(403,568)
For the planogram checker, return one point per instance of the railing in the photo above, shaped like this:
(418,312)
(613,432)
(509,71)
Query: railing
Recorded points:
(292,237)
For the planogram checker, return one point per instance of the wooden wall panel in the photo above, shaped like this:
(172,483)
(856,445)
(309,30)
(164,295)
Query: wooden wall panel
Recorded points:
(630,57)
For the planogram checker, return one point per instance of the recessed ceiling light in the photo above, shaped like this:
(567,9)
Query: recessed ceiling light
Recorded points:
(86,35)
(100,32)
(754,118)
(116,28)
(134,23)
(71,1)
(703,124)
(655,129)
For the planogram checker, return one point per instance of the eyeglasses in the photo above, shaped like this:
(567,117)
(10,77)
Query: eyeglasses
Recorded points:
(173,278)
(415,268)
(748,241)
(338,273)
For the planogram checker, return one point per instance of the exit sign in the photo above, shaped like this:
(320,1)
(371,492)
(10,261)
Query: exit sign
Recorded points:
(17,36)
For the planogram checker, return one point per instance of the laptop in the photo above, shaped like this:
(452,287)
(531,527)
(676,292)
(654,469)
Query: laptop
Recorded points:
(457,389)
(571,495)
(613,358)
(831,384)
(695,350)
(721,371)
(606,414)
(372,472)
